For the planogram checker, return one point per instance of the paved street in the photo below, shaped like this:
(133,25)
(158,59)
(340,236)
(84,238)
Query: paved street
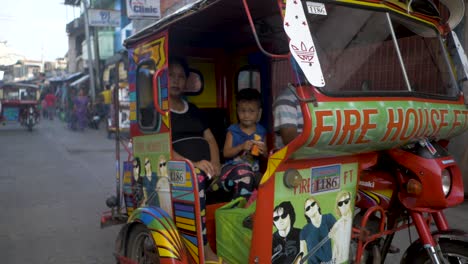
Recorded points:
(53,186)
(457,218)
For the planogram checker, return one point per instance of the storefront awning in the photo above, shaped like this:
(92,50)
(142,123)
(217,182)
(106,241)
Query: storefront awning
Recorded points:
(66,78)
(72,76)
(80,80)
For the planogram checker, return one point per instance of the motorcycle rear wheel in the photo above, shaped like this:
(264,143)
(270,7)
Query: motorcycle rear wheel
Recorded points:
(454,251)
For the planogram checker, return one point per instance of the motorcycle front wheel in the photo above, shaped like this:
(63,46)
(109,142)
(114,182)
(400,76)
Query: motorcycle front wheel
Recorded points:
(30,127)
(454,252)
(141,247)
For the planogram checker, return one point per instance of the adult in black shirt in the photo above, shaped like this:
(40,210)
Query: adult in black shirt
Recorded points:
(188,126)
(192,139)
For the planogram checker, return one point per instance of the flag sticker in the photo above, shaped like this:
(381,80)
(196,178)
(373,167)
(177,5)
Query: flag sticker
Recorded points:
(316,8)
(430,147)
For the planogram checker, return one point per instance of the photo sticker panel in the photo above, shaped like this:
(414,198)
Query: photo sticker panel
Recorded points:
(312,220)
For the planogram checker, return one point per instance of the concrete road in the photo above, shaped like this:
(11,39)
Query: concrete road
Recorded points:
(53,186)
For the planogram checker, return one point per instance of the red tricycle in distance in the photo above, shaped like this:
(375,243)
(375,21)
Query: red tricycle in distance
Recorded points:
(18,104)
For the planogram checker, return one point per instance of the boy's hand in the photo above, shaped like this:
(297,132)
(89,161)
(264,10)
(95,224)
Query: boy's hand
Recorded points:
(247,145)
(262,148)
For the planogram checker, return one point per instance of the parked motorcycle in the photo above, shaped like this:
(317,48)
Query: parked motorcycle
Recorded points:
(96,113)
(29,117)
(411,186)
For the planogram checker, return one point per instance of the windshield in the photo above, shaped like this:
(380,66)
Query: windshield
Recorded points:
(357,53)
(10,94)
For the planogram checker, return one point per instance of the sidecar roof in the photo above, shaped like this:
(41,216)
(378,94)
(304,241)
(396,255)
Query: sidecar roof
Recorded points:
(219,16)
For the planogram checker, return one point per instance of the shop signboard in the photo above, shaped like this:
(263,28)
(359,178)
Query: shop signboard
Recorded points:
(105,44)
(104,18)
(143,9)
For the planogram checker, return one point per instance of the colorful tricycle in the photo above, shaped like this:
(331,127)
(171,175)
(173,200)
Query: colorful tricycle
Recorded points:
(18,104)
(378,85)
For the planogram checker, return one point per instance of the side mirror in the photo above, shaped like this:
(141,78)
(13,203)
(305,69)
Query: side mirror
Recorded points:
(195,83)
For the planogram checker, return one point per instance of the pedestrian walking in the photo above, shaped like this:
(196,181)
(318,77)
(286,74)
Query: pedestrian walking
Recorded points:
(50,101)
(44,108)
(80,110)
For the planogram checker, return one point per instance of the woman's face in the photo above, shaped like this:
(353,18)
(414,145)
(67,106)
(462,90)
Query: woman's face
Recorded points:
(177,80)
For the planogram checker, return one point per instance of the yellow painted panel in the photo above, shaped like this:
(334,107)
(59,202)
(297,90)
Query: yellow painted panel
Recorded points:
(165,241)
(132,106)
(208,97)
(127,180)
(184,226)
(192,249)
(185,220)
(273,163)
(166,253)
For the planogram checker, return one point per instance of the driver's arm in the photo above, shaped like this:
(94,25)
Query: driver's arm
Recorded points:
(177,155)
(288,133)
(286,121)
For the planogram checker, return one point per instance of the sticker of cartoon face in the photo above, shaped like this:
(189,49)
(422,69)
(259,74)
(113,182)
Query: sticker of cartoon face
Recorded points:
(136,169)
(162,166)
(341,231)
(315,239)
(148,170)
(149,184)
(163,186)
(286,238)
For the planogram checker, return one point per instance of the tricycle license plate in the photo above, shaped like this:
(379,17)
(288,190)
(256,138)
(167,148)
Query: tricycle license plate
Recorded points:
(325,179)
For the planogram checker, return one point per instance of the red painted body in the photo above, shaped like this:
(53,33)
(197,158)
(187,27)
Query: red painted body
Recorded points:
(385,191)
(376,187)
(428,172)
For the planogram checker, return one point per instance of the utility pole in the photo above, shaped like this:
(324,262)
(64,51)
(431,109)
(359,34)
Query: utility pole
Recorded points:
(88,44)
(96,57)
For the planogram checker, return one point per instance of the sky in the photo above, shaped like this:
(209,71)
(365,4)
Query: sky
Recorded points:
(36,28)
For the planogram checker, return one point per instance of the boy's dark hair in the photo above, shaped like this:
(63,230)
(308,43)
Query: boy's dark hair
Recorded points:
(182,62)
(250,95)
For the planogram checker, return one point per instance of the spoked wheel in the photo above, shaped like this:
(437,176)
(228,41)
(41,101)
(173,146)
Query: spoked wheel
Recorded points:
(453,251)
(141,247)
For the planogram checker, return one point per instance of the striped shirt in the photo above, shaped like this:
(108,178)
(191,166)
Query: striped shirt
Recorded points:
(287,112)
